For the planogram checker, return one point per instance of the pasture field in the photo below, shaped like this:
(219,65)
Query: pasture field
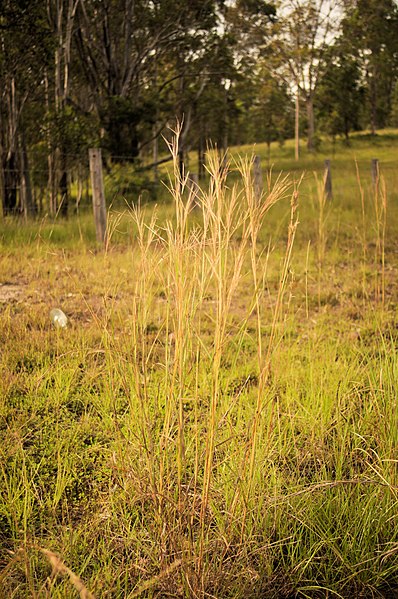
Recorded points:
(219,418)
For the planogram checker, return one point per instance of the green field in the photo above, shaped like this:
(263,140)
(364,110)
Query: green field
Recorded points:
(219,418)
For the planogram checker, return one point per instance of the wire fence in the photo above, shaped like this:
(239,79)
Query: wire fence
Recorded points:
(42,187)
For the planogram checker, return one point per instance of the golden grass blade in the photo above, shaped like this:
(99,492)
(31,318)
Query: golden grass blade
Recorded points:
(59,567)
(150,583)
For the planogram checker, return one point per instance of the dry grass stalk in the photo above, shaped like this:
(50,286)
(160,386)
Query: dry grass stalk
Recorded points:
(59,567)
(363,236)
(10,565)
(380,201)
(150,583)
(265,365)
(321,241)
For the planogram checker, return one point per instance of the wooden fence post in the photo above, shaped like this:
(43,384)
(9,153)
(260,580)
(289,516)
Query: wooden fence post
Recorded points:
(257,178)
(375,172)
(297,128)
(98,194)
(328,181)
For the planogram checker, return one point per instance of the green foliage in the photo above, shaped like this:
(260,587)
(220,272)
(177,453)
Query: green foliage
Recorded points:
(340,96)
(370,33)
(270,116)
(72,131)
(394,107)
(127,186)
(27,44)
(257,7)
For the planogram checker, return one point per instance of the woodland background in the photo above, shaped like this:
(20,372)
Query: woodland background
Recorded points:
(116,74)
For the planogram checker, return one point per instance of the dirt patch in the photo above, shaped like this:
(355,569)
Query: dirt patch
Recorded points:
(10,293)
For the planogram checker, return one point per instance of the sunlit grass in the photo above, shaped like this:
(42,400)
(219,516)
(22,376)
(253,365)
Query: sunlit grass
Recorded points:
(219,418)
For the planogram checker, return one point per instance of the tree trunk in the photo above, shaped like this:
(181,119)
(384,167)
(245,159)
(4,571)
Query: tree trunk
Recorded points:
(51,183)
(346,131)
(27,202)
(155,156)
(9,143)
(63,30)
(10,184)
(311,124)
(373,106)
(64,187)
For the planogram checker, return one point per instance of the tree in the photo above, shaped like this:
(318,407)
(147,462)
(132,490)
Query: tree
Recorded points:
(273,112)
(248,23)
(25,50)
(61,16)
(247,29)
(303,32)
(394,106)
(340,94)
(370,29)
(125,45)
(266,111)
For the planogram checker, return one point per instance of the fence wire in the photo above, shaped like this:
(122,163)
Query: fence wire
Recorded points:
(129,181)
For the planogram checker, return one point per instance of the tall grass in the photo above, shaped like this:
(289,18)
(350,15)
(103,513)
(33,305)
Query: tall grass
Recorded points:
(198,270)
(380,207)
